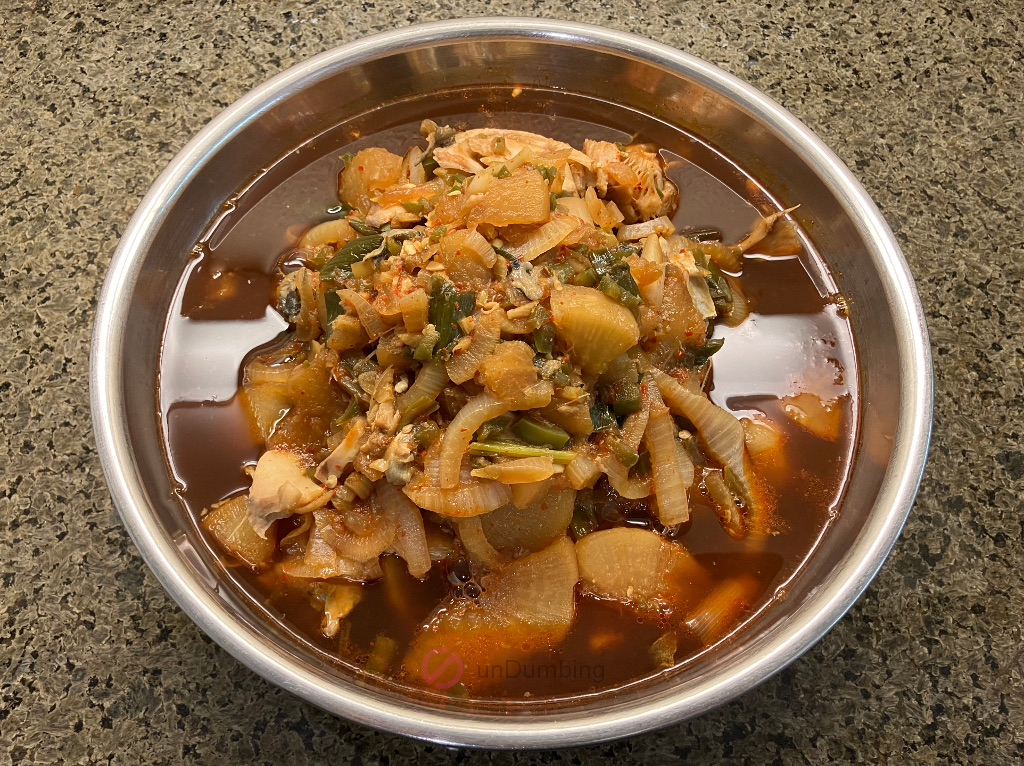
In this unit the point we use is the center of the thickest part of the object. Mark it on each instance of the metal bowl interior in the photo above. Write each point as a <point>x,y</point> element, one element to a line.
<point>759,135</point>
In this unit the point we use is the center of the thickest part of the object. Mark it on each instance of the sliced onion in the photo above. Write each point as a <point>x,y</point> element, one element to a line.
<point>720,610</point>
<point>336,463</point>
<point>370,319</point>
<point>375,538</point>
<point>468,499</point>
<point>410,536</point>
<point>720,431</point>
<point>525,494</point>
<point>471,498</point>
<point>462,365</point>
<point>700,294</point>
<point>440,543</point>
<point>430,381</point>
<point>639,568</point>
<point>539,589</point>
<point>725,504</point>
<point>519,471</point>
<point>670,483</point>
<point>652,250</point>
<point>305,522</point>
<point>333,232</point>
<point>726,257</point>
<point>629,487</point>
<point>635,425</point>
<point>459,434</point>
<point>739,309</point>
<point>661,225</point>
<point>653,293</point>
<point>576,207</point>
<point>764,442</point>
<point>543,239</point>
<point>471,533</point>
<point>583,471</point>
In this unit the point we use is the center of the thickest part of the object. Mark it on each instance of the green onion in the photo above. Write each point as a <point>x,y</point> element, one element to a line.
<point>549,173</point>
<point>614,290</point>
<point>426,433</point>
<point>553,198</point>
<point>441,312</point>
<point>584,519</point>
<point>429,164</point>
<point>340,266</point>
<point>492,427</point>
<point>510,449</point>
<point>454,181</point>
<point>626,454</point>
<point>413,207</point>
<point>601,416</point>
<point>346,158</point>
<point>382,655</point>
<point>424,405</point>
<point>335,308</point>
<point>626,399</point>
<point>361,227</point>
<point>425,349</point>
<point>320,256</point>
<point>465,304</point>
<point>538,432</point>
<point>498,145</point>
<point>513,261</point>
<point>437,233</point>
<point>502,172</point>
<point>348,414</point>
<point>586,278</point>
<point>544,339</point>
<point>697,357</point>
<point>718,286</point>
<point>564,271</point>
<point>702,235</point>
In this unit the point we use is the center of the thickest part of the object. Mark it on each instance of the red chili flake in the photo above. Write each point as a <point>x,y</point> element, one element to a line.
<point>360,168</point>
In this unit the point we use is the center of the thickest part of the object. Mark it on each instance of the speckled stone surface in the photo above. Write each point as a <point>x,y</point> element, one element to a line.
<point>921,99</point>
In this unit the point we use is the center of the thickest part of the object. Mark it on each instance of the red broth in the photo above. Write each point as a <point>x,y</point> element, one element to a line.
<point>796,339</point>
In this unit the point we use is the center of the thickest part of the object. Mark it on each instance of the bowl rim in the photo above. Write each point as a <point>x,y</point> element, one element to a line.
<point>824,607</point>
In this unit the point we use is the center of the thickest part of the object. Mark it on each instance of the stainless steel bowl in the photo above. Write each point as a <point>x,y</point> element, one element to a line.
<point>889,327</point>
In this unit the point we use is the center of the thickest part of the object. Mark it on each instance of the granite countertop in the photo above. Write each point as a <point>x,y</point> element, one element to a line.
<point>921,99</point>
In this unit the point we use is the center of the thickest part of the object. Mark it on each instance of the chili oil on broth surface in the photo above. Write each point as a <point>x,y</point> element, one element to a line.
<point>795,340</point>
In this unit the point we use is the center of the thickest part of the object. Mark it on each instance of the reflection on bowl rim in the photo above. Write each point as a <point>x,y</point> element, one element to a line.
<point>557,729</point>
